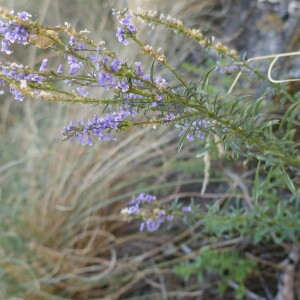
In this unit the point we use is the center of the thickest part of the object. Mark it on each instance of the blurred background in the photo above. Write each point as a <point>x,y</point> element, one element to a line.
<point>61,235</point>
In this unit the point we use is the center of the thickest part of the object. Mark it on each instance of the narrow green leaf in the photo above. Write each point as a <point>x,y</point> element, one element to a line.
<point>289,181</point>
<point>205,79</point>
<point>151,72</point>
<point>269,124</point>
<point>182,138</point>
<point>105,108</point>
<point>190,89</point>
<point>256,184</point>
<point>204,150</point>
<point>292,112</point>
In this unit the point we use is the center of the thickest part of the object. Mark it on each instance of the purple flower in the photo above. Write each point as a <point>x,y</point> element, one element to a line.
<point>125,29</point>
<point>124,86</point>
<point>190,137</point>
<point>133,209</point>
<point>82,92</point>
<point>16,93</point>
<point>115,65</point>
<point>5,48</point>
<point>160,98</point>
<point>169,117</point>
<point>139,70</point>
<point>44,64</point>
<point>125,20</point>
<point>193,130</point>
<point>93,58</point>
<point>161,213</point>
<point>169,217</point>
<point>60,69</point>
<point>121,35</point>
<point>99,49</point>
<point>142,226</point>
<point>131,28</point>
<point>147,77</point>
<point>34,78</point>
<point>142,197</point>
<point>74,65</point>
<point>186,209</point>
<point>226,69</point>
<point>76,46</point>
<point>154,222</point>
<point>106,80</point>
<point>151,225</point>
<point>72,41</point>
<point>24,16</point>
<point>134,96</point>
<point>160,82</point>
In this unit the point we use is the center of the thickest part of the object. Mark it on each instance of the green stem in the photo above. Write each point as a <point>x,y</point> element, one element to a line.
<point>164,62</point>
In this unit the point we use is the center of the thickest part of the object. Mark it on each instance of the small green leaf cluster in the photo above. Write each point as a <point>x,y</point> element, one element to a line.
<point>227,265</point>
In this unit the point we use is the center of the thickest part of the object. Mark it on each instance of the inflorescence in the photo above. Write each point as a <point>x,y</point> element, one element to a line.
<point>146,208</point>
<point>126,28</point>
<point>13,32</point>
<point>101,127</point>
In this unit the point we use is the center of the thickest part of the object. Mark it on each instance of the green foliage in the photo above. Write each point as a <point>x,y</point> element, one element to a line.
<point>228,265</point>
<point>269,223</point>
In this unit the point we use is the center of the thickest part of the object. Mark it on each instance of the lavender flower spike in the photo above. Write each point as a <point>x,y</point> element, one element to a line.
<point>96,127</point>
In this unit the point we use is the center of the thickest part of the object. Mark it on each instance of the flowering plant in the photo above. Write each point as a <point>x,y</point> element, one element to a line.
<point>223,125</point>
<point>229,125</point>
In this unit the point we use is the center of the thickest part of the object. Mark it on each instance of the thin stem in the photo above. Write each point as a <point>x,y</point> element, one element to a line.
<point>175,74</point>
<point>164,62</point>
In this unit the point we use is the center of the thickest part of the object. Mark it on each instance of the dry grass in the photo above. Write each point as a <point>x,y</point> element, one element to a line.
<point>68,222</point>
<point>62,237</point>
